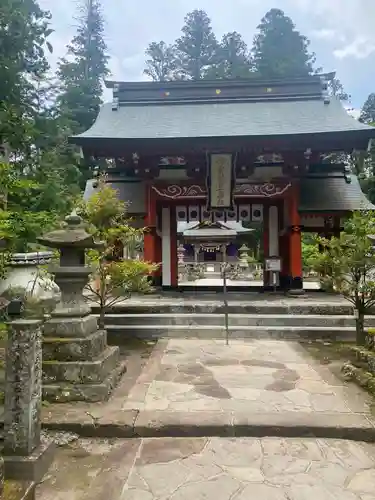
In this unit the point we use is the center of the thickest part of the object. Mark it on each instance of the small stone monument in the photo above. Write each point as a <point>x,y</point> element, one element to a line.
<point>243,263</point>
<point>78,364</point>
<point>1,476</point>
<point>26,457</point>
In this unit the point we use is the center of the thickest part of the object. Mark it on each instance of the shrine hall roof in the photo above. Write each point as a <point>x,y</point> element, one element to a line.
<point>332,194</point>
<point>146,112</point>
<point>319,193</point>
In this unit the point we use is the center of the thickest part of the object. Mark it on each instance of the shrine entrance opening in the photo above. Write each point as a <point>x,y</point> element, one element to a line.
<point>202,257</point>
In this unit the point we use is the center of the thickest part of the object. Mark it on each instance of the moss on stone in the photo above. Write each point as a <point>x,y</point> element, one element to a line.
<point>15,490</point>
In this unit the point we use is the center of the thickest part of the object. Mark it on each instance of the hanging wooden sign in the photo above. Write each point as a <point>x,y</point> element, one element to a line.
<point>220,182</point>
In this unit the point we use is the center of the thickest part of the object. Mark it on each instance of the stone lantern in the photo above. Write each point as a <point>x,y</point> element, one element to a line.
<point>71,275</point>
<point>78,364</point>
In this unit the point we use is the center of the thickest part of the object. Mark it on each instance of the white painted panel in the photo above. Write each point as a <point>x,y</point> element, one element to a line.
<point>244,213</point>
<point>205,214</point>
<point>181,214</point>
<point>166,246</point>
<point>194,215</point>
<point>257,213</point>
<point>273,231</point>
<point>219,215</point>
<point>231,216</point>
<point>172,174</point>
<point>312,221</point>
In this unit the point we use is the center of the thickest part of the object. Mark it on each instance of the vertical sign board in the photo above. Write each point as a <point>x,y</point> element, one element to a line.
<point>220,182</point>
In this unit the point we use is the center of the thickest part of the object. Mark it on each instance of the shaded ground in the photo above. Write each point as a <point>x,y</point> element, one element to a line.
<point>211,468</point>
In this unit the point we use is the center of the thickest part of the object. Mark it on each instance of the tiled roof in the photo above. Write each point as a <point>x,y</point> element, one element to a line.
<point>223,119</point>
<point>332,193</point>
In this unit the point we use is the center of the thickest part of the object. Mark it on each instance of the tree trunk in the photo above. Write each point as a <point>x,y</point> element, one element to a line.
<point>360,330</point>
<point>102,318</point>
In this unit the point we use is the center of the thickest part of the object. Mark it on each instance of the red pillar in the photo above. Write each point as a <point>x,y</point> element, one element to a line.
<point>150,222</point>
<point>266,245</point>
<point>173,240</point>
<point>295,243</point>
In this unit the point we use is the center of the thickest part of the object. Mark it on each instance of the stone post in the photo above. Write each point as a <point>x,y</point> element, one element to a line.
<point>26,457</point>
<point>1,476</point>
<point>23,387</point>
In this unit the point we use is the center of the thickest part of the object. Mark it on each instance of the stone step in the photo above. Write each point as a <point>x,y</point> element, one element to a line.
<point>305,320</point>
<point>81,372</point>
<point>216,307</point>
<point>119,334</point>
<point>91,393</point>
<point>71,349</point>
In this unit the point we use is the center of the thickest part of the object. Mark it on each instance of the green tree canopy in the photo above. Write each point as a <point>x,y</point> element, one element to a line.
<point>197,47</point>
<point>280,50</point>
<point>24,32</point>
<point>161,63</point>
<point>81,74</point>
<point>233,58</point>
<point>368,110</point>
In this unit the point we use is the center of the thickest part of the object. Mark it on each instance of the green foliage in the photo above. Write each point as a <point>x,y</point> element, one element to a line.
<point>233,58</point>
<point>81,75</point>
<point>24,32</point>
<point>161,63</point>
<point>310,254</point>
<point>196,49</point>
<point>368,110</point>
<point>348,264</point>
<point>279,50</point>
<point>114,279</point>
<point>23,215</point>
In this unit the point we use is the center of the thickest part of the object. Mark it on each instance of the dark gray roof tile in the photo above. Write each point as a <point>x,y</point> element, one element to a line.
<point>326,194</point>
<point>230,119</point>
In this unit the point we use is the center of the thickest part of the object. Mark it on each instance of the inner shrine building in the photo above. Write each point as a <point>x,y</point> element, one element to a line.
<point>230,150</point>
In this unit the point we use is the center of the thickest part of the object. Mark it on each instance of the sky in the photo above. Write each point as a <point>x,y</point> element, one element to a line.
<point>341,32</point>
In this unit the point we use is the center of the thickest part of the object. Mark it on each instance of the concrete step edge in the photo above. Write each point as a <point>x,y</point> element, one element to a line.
<point>231,327</point>
<point>236,315</point>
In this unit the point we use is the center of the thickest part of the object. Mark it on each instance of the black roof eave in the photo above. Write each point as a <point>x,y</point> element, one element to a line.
<point>325,141</point>
<point>237,82</point>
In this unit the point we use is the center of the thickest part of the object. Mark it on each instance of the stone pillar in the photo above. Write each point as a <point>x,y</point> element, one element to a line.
<point>1,476</point>
<point>24,454</point>
<point>23,387</point>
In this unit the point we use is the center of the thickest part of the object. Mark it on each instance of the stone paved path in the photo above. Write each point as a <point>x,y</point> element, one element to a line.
<point>212,469</point>
<point>246,378</point>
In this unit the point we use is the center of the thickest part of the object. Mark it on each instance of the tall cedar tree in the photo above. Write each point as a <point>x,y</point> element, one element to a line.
<point>161,63</point>
<point>368,158</point>
<point>279,50</point>
<point>24,32</point>
<point>368,110</point>
<point>81,74</point>
<point>197,47</point>
<point>233,58</point>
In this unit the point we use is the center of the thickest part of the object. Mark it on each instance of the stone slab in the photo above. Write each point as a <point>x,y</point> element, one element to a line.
<point>208,468</point>
<point>74,349</point>
<point>75,327</point>
<point>120,334</point>
<point>81,372</point>
<point>32,467</point>
<point>94,392</point>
